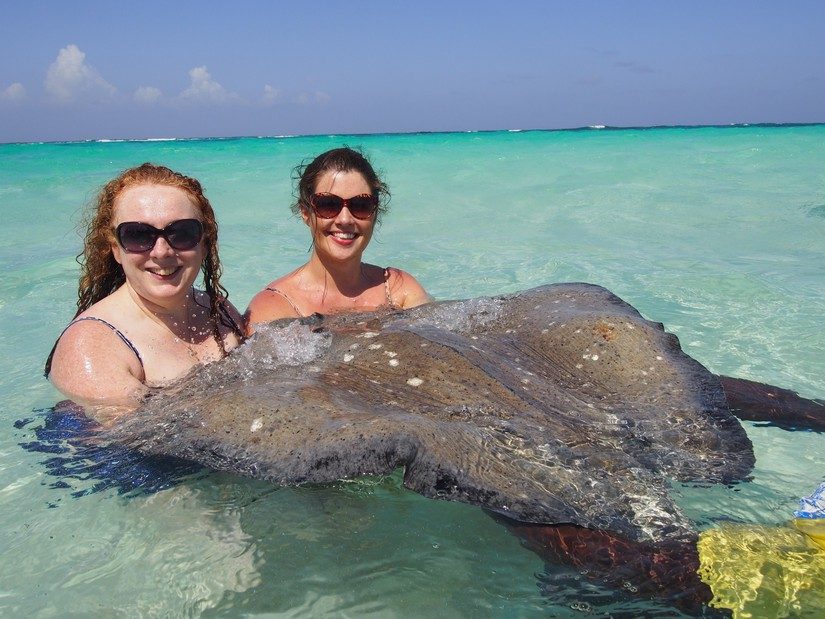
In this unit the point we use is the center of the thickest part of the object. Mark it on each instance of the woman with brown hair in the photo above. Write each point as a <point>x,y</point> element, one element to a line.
<point>140,322</point>
<point>340,199</point>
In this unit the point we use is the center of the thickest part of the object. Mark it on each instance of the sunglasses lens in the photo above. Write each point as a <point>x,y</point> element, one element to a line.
<point>327,206</point>
<point>362,207</point>
<point>184,234</point>
<point>136,237</point>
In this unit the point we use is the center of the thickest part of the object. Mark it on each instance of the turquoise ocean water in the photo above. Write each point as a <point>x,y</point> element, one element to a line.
<point>719,233</point>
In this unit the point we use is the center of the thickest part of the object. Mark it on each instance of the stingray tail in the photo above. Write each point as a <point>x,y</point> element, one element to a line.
<point>664,571</point>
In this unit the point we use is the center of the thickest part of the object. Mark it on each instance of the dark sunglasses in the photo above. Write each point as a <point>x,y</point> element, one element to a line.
<point>136,237</point>
<point>328,205</point>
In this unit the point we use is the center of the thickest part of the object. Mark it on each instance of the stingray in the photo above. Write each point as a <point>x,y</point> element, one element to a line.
<point>558,405</point>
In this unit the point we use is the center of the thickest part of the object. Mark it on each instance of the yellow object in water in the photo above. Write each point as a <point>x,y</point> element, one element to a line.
<point>813,528</point>
<point>763,571</point>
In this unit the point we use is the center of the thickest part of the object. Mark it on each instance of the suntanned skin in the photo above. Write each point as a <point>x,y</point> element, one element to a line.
<point>156,309</point>
<point>335,280</point>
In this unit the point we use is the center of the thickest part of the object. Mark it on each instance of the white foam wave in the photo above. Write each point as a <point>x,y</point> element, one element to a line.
<point>277,345</point>
<point>465,315</point>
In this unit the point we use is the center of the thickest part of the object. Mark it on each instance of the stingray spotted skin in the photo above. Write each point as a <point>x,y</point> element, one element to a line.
<point>560,404</point>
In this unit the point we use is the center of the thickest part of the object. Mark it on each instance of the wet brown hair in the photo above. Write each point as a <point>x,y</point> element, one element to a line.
<point>343,159</point>
<point>100,273</point>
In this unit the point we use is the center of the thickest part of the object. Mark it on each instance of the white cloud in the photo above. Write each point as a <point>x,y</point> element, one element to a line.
<point>148,95</point>
<point>203,89</point>
<point>15,92</point>
<point>69,78</point>
<point>271,95</point>
<point>319,96</point>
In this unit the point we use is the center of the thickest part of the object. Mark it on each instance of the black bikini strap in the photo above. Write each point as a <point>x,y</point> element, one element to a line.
<point>228,320</point>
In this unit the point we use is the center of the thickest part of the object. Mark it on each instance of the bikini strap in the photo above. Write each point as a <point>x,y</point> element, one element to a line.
<point>227,319</point>
<point>48,368</point>
<point>288,300</point>
<point>387,291</point>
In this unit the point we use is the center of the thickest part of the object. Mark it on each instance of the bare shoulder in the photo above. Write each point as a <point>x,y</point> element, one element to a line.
<point>93,365</point>
<point>406,291</point>
<point>270,304</point>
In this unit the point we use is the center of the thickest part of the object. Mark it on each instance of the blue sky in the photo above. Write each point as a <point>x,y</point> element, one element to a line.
<point>91,69</point>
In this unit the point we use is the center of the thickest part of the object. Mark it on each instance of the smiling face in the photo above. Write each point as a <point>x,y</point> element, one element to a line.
<point>344,237</point>
<point>163,275</point>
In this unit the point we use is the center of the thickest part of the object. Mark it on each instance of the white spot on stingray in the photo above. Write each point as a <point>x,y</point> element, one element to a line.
<point>473,337</point>
<point>353,346</point>
<point>348,357</point>
<point>390,353</point>
<point>414,382</point>
<point>579,366</point>
<point>544,331</point>
<point>594,357</point>
<point>375,346</point>
<point>370,334</point>
<point>257,424</point>
<point>393,362</point>
<point>658,358</point>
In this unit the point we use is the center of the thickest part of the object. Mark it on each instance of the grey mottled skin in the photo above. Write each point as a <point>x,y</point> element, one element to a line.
<point>560,404</point>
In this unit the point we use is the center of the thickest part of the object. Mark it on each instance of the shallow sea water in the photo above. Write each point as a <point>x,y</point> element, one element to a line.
<point>719,233</point>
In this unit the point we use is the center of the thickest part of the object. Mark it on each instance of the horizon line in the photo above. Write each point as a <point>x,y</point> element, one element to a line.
<point>400,133</point>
